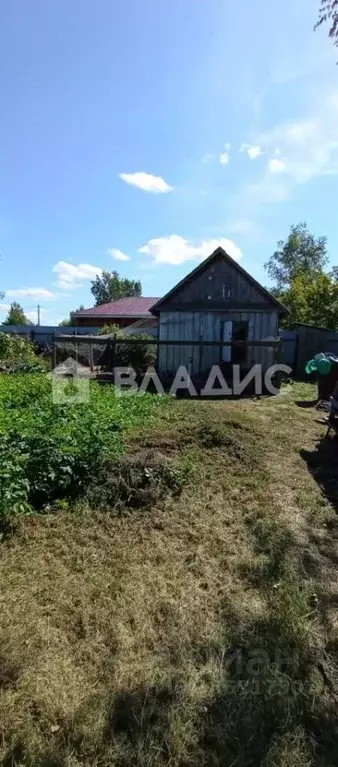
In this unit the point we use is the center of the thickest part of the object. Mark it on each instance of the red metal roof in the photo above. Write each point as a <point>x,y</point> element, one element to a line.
<point>135,306</point>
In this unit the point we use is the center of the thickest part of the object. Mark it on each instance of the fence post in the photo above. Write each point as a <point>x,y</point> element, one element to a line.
<point>76,353</point>
<point>54,353</point>
<point>278,354</point>
<point>112,354</point>
<point>296,355</point>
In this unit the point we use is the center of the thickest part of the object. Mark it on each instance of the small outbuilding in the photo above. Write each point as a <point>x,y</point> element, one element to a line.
<point>217,302</point>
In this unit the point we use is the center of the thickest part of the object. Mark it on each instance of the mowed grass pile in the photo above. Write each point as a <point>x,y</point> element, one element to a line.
<point>200,630</point>
<point>51,452</point>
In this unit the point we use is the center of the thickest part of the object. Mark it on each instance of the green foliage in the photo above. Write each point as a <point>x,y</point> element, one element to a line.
<point>50,451</point>
<point>14,349</point>
<point>68,322</point>
<point>109,328</point>
<point>312,300</point>
<point>301,252</point>
<point>16,316</point>
<point>329,12</point>
<point>109,286</point>
<point>138,356</point>
<point>14,485</point>
<point>301,282</point>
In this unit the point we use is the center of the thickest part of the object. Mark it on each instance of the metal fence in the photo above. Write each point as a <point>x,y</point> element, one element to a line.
<point>45,333</point>
<point>99,356</point>
<point>300,345</point>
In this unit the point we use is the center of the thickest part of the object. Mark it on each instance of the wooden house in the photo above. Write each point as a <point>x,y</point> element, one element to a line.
<point>218,301</point>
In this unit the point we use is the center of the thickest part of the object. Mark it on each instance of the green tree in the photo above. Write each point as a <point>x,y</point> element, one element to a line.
<point>328,12</point>
<point>68,321</point>
<point>109,286</point>
<point>312,299</point>
<point>16,316</point>
<point>107,329</point>
<point>300,252</point>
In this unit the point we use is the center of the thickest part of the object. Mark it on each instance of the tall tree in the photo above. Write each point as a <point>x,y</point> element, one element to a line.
<point>300,252</point>
<point>328,11</point>
<point>16,316</point>
<point>312,299</point>
<point>109,286</point>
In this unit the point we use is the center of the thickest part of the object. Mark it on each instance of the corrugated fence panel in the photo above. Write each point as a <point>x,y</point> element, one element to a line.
<point>43,333</point>
<point>289,346</point>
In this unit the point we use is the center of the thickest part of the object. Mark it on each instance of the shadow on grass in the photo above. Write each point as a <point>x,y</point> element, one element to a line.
<point>306,403</point>
<point>270,708</point>
<point>323,465</point>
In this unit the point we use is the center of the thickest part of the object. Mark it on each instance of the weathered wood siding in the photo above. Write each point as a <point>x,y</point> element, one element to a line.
<point>207,326</point>
<point>218,284</point>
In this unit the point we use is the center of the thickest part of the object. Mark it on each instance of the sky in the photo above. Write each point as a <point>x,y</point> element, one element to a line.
<point>140,135</point>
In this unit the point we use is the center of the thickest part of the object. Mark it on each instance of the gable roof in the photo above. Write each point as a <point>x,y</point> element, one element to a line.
<point>134,306</point>
<point>216,254</point>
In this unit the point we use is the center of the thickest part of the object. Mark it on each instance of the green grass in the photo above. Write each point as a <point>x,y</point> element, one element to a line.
<point>198,626</point>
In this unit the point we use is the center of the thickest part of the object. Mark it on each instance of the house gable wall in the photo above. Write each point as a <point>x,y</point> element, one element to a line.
<point>219,286</point>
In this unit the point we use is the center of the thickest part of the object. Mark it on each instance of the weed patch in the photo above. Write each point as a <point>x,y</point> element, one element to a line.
<point>134,482</point>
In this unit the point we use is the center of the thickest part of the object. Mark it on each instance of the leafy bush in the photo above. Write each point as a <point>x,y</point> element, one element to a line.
<point>109,328</point>
<point>21,366</point>
<point>14,486</point>
<point>15,349</point>
<point>138,356</point>
<point>50,451</point>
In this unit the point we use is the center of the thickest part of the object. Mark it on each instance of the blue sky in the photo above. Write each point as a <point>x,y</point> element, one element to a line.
<point>137,136</point>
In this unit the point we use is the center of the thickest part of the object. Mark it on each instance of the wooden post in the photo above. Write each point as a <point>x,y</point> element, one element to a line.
<point>91,356</point>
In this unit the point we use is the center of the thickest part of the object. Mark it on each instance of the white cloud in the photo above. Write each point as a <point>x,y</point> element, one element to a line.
<point>309,147</point>
<point>176,250</point>
<point>254,151</point>
<point>147,182</point>
<point>276,166</point>
<point>71,275</point>
<point>224,158</point>
<point>118,255</point>
<point>5,307</point>
<point>31,293</point>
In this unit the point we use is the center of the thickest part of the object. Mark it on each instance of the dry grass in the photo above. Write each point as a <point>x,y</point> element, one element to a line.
<point>200,630</point>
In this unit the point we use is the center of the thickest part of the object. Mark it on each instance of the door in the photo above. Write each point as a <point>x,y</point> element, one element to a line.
<point>240,333</point>
<point>227,336</point>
